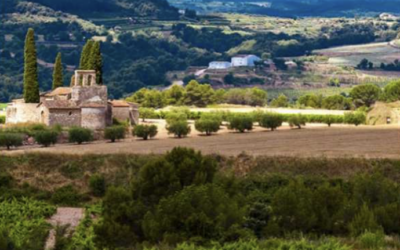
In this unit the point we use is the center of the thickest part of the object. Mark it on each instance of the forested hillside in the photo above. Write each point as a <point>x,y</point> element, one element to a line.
<point>87,8</point>
<point>294,8</point>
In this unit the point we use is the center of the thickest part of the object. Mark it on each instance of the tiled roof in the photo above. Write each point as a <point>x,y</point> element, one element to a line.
<point>60,91</point>
<point>119,103</point>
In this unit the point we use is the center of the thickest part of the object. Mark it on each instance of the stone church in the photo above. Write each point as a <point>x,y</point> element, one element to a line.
<point>84,104</point>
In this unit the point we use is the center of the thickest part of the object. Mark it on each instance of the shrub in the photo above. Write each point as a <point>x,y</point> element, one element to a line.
<point>365,95</point>
<point>80,135</point>
<point>297,121</point>
<point>67,196</point>
<point>2,119</point>
<point>271,121</point>
<point>331,119</point>
<point>369,240</point>
<point>179,128</point>
<point>364,221</point>
<point>207,125</point>
<point>355,118</point>
<point>241,122</point>
<point>114,133</point>
<point>46,137</point>
<point>145,131</point>
<point>97,185</point>
<point>146,113</point>
<point>10,140</point>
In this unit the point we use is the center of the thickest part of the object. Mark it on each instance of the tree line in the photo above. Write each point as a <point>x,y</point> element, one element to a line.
<point>91,58</point>
<point>199,95</point>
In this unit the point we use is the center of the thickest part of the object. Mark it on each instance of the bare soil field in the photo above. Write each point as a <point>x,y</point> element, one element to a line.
<point>312,141</point>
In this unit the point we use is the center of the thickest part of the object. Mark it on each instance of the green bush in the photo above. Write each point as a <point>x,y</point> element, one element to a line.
<point>369,240</point>
<point>356,118</point>
<point>271,121</point>
<point>145,131</point>
<point>114,133</point>
<point>332,119</point>
<point>2,119</point>
<point>207,125</point>
<point>29,129</point>
<point>364,221</point>
<point>241,122</point>
<point>9,140</point>
<point>297,121</point>
<point>80,135</point>
<point>97,185</point>
<point>66,196</point>
<point>146,113</point>
<point>179,128</point>
<point>46,137</point>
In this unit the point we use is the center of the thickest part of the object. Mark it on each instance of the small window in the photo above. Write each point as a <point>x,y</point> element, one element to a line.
<point>70,113</point>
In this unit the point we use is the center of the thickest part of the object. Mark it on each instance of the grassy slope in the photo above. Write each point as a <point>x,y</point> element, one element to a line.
<point>49,171</point>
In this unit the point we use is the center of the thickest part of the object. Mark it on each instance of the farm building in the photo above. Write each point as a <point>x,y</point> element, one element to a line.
<point>83,105</point>
<point>384,113</point>
<point>219,65</point>
<point>244,60</point>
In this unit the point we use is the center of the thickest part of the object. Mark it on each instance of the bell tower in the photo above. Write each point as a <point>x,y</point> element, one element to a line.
<point>86,77</point>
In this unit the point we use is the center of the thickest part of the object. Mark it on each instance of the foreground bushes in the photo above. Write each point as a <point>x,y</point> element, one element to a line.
<point>2,119</point>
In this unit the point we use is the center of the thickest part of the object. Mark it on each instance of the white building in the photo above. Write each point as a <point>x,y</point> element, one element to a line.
<point>244,60</point>
<point>219,65</point>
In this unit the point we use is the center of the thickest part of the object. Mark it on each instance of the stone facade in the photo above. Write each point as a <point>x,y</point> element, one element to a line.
<point>85,105</point>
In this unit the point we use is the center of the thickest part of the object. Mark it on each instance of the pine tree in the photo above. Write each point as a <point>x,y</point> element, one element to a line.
<point>96,62</point>
<point>31,84</point>
<point>58,73</point>
<point>85,56</point>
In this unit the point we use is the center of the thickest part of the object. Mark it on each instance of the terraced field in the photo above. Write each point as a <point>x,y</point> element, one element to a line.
<point>352,55</point>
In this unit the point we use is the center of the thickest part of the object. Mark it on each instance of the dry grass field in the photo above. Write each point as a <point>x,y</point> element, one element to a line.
<point>313,141</point>
<point>352,55</point>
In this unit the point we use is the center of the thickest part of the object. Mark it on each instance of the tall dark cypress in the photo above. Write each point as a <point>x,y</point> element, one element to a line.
<point>58,73</point>
<point>31,84</point>
<point>96,62</point>
<point>85,56</point>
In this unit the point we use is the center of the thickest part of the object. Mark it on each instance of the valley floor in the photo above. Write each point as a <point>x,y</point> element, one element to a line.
<point>312,141</point>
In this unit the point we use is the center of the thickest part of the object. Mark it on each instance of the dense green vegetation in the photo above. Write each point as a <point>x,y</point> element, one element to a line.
<point>185,197</point>
<point>22,222</point>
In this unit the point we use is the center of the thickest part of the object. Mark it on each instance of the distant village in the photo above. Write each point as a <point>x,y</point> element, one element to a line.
<point>246,61</point>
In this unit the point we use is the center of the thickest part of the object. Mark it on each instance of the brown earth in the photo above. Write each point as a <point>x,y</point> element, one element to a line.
<point>312,141</point>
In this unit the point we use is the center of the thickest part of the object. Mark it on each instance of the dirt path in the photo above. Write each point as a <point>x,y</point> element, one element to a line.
<point>313,141</point>
<point>64,216</point>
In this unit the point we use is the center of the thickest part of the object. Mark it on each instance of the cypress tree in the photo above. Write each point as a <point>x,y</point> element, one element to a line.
<point>85,55</point>
<point>58,73</point>
<point>96,62</point>
<point>31,84</point>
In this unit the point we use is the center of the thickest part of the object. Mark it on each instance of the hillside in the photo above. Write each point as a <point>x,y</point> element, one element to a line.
<point>294,8</point>
<point>89,8</point>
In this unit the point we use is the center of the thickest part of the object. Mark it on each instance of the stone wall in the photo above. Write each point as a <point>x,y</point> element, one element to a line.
<point>20,112</point>
<point>65,117</point>
<point>93,118</point>
<point>90,94</point>
<point>120,113</point>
